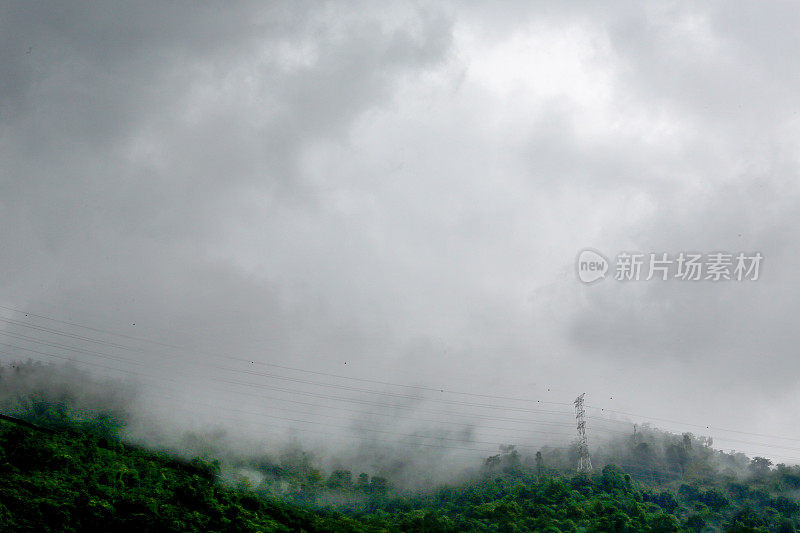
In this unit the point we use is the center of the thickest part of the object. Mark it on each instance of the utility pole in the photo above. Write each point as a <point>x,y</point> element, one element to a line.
<point>585,464</point>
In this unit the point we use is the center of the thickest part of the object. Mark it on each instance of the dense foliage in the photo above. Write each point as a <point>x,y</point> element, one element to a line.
<point>606,501</point>
<point>78,480</point>
<point>82,479</point>
<point>77,475</point>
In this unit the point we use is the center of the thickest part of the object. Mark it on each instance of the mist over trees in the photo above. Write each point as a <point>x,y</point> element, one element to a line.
<point>648,480</point>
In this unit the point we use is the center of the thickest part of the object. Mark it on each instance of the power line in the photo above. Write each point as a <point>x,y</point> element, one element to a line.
<point>690,424</point>
<point>368,403</point>
<point>372,403</point>
<point>300,380</point>
<point>246,360</point>
<point>315,422</point>
<point>338,376</point>
<point>291,391</point>
<point>314,383</point>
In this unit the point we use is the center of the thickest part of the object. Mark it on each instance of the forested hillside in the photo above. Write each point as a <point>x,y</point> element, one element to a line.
<point>82,478</point>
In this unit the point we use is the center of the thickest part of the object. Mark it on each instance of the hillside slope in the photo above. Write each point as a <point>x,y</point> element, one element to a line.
<point>81,480</point>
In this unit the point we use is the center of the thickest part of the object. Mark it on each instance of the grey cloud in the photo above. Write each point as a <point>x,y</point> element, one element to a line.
<point>314,183</point>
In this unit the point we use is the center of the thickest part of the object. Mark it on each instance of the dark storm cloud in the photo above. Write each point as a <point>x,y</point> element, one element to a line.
<point>130,129</point>
<point>404,187</point>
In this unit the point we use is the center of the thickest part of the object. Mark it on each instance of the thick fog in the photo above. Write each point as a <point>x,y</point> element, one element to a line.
<point>352,225</point>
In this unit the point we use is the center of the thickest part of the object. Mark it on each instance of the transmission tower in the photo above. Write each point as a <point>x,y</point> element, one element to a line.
<point>585,464</point>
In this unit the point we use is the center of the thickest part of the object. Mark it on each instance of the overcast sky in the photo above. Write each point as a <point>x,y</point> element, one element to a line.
<point>399,192</point>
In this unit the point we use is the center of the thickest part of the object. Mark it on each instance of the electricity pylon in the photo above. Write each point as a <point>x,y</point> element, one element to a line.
<point>585,464</point>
